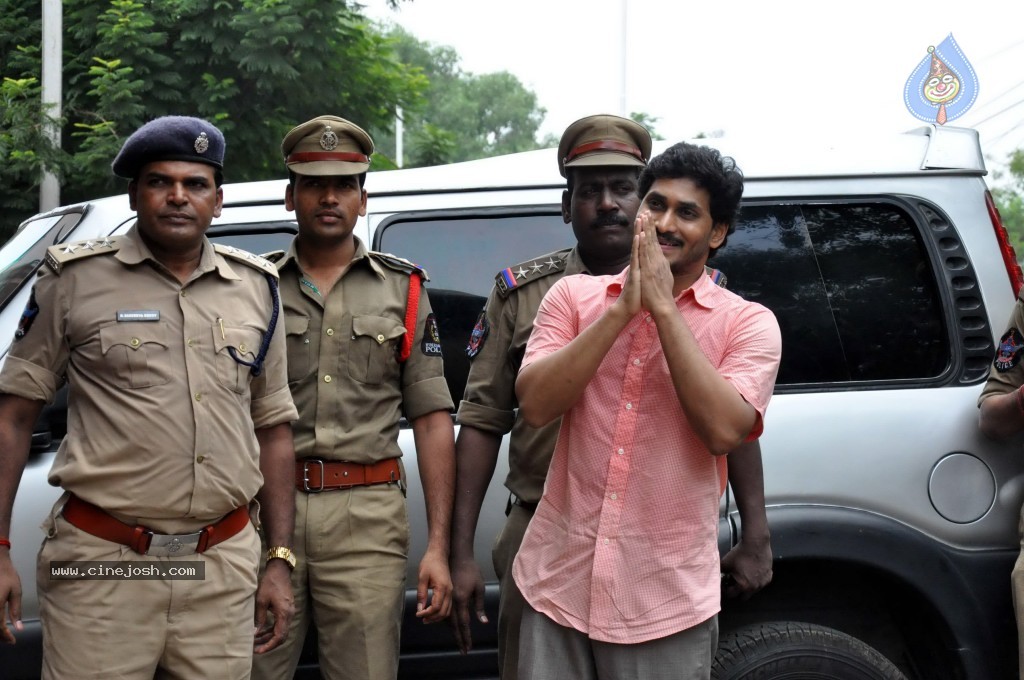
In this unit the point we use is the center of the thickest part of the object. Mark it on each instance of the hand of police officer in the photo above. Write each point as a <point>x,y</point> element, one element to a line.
<point>747,568</point>
<point>467,591</point>
<point>10,598</point>
<point>435,579</point>
<point>273,596</point>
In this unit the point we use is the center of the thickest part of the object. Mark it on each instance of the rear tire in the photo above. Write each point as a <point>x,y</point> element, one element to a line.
<point>798,651</point>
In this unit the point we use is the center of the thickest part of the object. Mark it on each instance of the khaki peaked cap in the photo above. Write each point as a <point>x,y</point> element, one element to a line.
<point>604,140</point>
<point>327,145</point>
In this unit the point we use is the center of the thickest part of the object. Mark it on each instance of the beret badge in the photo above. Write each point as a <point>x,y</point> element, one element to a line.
<point>202,143</point>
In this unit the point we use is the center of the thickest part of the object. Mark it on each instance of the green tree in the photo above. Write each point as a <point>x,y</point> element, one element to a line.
<point>254,67</point>
<point>1009,200</point>
<point>462,115</point>
<point>648,121</point>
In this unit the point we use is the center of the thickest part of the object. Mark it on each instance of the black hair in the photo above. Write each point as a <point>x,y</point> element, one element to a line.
<point>709,170</point>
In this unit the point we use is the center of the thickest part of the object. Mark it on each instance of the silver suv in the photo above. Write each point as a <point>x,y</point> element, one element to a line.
<point>894,522</point>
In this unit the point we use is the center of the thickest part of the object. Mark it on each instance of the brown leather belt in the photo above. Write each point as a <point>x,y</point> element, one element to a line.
<point>98,522</point>
<point>313,475</point>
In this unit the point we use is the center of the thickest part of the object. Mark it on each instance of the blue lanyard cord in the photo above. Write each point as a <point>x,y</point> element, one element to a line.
<point>256,366</point>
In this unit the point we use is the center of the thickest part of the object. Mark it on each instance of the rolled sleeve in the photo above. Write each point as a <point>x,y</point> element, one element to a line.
<point>425,397</point>
<point>274,409</point>
<point>752,361</point>
<point>489,402</point>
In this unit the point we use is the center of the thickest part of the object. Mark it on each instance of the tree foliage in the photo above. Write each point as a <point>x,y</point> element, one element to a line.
<point>1009,200</point>
<point>462,115</point>
<point>254,67</point>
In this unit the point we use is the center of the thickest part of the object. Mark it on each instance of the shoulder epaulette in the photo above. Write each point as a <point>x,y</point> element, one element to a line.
<point>60,255</point>
<point>523,273</point>
<point>245,257</point>
<point>274,256</point>
<point>717,277</point>
<point>398,263</point>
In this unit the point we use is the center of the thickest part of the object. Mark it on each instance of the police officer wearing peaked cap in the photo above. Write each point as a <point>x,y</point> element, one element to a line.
<point>174,336</point>
<point>363,352</point>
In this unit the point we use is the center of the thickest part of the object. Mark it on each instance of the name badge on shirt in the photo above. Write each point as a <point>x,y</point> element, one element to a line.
<point>138,315</point>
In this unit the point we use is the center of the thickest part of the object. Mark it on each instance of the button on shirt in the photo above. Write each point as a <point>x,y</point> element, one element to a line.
<point>623,546</point>
<point>343,369</point>
<point>161,418</point>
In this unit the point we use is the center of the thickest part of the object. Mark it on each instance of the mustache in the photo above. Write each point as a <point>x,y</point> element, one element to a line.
<point>669,240</point>
<point>611,220</point>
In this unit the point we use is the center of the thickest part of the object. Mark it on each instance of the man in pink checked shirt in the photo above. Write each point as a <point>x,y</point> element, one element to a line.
<point>655,371</point>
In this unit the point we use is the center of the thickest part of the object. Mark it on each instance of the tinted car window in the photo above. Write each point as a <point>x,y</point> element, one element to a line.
<point>24,252</point>
<point>851,285</point>
<point>462,254</point>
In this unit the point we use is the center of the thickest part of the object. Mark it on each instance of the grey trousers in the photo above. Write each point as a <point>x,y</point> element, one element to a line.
<point>548,651</point>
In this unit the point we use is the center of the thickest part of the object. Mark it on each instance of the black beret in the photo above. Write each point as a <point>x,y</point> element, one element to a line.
<point>170,138</point>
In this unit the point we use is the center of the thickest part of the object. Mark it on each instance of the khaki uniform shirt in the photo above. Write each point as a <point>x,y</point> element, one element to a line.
<point>161,418</point>
<point>343,368</point>
<point>490,399</point>
<point>1007,372</point>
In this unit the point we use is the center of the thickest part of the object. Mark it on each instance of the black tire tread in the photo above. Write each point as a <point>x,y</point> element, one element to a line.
<point>798,651</point>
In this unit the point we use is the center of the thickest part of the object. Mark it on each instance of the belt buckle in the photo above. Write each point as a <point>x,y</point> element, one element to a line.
<point>172,545</point>
<point>305,475</point>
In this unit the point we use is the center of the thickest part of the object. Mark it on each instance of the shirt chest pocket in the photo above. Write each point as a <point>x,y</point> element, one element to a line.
<point>136,353</point>
<point>372,356</point>
<point>297,340</point>
<point>246,345</point>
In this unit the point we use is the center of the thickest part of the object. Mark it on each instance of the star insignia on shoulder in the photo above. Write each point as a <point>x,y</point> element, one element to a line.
<point>105,243</point>
<point>522,273</point>
<point>69,250</point>
<point>551,263</point>
<point>537,266</point>
<point>88,245</point>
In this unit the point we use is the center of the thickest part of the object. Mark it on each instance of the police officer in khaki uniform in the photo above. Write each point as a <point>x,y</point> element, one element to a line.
<point>363,351</point>
<point>1002,416</point>
<point>178,417</point>
<point>601,157</point>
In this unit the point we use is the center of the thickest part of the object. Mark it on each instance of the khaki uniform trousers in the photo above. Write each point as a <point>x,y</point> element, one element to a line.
<point>143,629</point>
<point>351,548</point>
<point>510,600</point>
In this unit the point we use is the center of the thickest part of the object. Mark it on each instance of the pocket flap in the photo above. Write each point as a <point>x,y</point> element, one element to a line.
<point>131,335</point>
<point>296,325</point>
<point>379,328</point>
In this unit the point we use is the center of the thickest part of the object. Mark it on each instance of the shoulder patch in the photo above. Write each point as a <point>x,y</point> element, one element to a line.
<point>398,263</point>
<point>1009,352</point>
<point>523,273</point>
<point>245,257</point>
<point>274,256</point>
<point>60,255</point>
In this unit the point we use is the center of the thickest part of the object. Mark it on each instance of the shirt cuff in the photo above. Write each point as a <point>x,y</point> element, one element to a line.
<point>24,379</point>
<point>425,397</point>
<point>493,420</point>
<point>273,409</point>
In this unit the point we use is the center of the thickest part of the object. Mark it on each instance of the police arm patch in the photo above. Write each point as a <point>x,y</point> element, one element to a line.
<point>431,345</point>
<point>479,334</point>
<point>1010,347</point>
<point>28,317</point>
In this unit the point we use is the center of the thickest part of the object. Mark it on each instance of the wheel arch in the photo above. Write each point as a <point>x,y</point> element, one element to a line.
<point>871,576</point>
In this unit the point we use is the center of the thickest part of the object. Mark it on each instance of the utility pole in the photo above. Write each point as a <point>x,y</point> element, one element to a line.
<point>399,132</point>
<point>623,53</point>
<point>53,45</point>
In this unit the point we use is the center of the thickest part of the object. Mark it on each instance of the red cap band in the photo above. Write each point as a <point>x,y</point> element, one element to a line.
<point>315,156</point>
<point>605,145</point>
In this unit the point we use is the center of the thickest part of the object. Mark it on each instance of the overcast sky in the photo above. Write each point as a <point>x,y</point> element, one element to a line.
<point>741,67</point>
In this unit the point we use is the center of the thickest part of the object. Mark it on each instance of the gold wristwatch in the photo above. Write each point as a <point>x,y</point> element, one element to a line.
<point>282,553</point>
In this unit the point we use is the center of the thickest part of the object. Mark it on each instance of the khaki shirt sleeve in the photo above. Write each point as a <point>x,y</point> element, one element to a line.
<point>424,388</point>
<point>490,399</point>
<point>1007,371</point>
<point>36,363</point>
<point>271,399</point>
